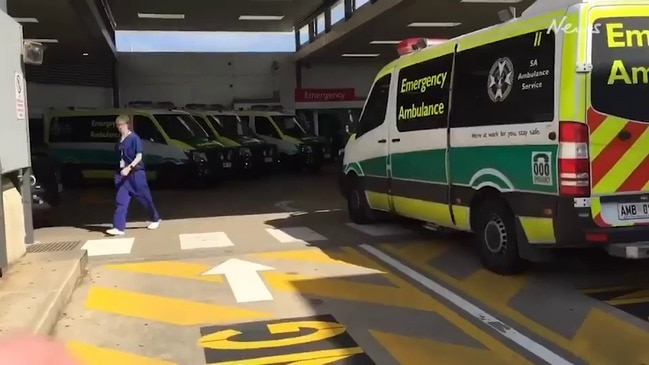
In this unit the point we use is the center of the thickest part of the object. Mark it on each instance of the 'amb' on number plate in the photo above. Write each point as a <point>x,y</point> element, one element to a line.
<point>628,211</point>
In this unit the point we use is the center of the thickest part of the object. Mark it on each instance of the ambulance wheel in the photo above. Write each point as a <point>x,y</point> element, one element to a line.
<point>71,176</point>
<point>168,176</point>
<point>313,169</point>
<point>495,238</point>
<point>357,206</point>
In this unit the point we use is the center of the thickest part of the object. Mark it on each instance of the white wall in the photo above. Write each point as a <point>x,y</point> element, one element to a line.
<point>185,78</point>
<point>359,77</point>
<point>43,96</point>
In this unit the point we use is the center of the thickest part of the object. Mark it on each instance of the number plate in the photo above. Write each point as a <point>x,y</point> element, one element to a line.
<point>629,211</point>
<point>327,155</point>
<point>227,165</point>
<point>268,159</point>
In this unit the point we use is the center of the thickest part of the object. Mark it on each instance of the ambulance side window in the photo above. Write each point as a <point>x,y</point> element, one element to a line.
<point>423,94</point>
<point>375,107</point>
<point>146,130</point>
<point>264,127</point>
<point>505,82</point>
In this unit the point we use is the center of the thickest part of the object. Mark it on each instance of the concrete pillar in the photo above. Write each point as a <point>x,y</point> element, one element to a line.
<point>3,5</point>
<point>14,221</point>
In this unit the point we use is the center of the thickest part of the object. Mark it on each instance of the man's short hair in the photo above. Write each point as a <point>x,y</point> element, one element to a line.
<point>124,119</point>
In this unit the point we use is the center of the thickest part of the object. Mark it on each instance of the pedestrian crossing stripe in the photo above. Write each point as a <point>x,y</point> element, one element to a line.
<point>213,240</point>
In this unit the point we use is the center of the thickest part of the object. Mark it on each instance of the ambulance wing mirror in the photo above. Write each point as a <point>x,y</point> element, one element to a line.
<point>33,52</point>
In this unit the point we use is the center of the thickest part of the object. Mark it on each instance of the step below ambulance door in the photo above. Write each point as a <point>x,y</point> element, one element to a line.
<point>618,115</point>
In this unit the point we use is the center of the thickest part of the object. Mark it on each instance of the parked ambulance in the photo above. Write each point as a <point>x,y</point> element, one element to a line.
<point>533,134</point>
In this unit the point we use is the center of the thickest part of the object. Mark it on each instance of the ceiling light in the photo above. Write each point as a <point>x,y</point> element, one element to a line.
<point>261,17</point>
<point>385,42</point>
<point>26,20</point>
<point>433,24</point>
<point>160,16</point>
<point>85,54</point>
<point>43,40</point>
<point>491,1</point>
<point>360,55</point>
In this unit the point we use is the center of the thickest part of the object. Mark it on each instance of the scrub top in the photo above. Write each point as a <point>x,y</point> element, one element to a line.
<point>128,149</point>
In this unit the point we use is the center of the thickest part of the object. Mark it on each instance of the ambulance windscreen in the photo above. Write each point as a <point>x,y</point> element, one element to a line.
<point>620,74</point>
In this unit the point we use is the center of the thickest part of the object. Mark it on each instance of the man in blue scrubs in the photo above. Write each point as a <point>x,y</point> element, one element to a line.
<point>130,181</point>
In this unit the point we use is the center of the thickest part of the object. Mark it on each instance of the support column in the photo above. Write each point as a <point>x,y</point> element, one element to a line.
<point>349,9</point>
<point>116,94</point>
<point>298,75</point>
<point>3,5</point>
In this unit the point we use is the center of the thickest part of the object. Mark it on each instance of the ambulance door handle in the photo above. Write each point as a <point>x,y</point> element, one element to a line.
<point>395,140</point>
<point>383,140</point>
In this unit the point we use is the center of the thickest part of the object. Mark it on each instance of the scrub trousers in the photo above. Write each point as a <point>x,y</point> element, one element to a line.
<point>132,186</point>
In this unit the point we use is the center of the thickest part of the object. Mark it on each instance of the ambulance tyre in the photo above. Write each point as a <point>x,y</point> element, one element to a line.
<point>358,208</point>
<point>168,176</point>
<point>313,169</point>
<point>71,175</point>
<point>495,238</point>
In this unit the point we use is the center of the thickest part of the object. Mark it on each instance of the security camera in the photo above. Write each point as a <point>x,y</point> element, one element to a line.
<point>33,52</point>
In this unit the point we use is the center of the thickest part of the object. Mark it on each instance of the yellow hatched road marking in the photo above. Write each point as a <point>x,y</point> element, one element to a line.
<point>412,350</point>
<point>176,269</point>
<point>609,289</point>
<point>625,166</point>
<point>620,343</point>
<point>605,134</point>
<point>616,302</point>
<point>318,256</point>
<point>321,357</point>
<point>640,293</point>
<point>95,355</point>
<point>403,295</point>
<point>174,311</point>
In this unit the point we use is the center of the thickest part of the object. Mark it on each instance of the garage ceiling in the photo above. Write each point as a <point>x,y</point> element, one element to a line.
<point>210,15</point>
<point>393,26</point>
<point>78,42</point>
<point>60,20</point>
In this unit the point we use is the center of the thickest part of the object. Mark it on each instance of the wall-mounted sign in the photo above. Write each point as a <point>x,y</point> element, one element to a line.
<point>20,96</point>
<point>320,95</point>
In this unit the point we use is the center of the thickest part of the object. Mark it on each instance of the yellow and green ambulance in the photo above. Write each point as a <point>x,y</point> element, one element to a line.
<point>533,134</point>
<point>176,149</point>
<point>257,156</point>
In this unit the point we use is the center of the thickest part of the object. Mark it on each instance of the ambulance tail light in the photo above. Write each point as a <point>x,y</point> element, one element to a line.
<point>574,160</point>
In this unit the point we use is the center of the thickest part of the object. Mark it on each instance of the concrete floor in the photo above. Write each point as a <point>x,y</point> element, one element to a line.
<point>270,272</point>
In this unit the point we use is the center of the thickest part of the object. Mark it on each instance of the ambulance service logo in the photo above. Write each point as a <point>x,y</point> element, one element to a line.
<point>501,79</point>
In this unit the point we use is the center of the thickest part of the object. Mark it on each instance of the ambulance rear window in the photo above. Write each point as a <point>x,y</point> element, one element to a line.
<point>620,75</point>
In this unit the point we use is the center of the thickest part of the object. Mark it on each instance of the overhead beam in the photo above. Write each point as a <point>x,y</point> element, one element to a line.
<point>94,18</point>
<point>355,21</point>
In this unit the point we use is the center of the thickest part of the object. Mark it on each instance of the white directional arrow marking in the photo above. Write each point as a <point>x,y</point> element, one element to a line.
<point>243,277</point>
